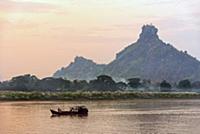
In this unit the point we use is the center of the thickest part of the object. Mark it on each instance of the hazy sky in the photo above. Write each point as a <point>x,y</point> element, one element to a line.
<point>41,36</point>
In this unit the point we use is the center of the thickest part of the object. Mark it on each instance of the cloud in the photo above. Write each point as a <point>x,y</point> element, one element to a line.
<point>16,6</point>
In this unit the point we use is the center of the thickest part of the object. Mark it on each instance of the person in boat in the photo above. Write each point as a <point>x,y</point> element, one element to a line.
<point>59,110</point>
<point>71,109</point>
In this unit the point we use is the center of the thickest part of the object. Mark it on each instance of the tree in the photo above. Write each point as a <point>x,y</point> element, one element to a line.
<point>134,82</point>
<point>105,78</point>
<point>165,86</point>
<point>184,84</point>
<point>79,85</point>
<point>121,85</point>
<point>24,82</point>
<point>29,82</point>
<point>53,84</point>
<point>103,83</point>
<point>146,83</point>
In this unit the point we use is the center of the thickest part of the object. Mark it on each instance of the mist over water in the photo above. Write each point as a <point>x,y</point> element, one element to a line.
<point>128,117</point>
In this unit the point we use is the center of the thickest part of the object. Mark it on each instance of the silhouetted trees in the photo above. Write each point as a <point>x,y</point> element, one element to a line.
<point>79,85</point>
<point>24,83</point>
<point>134,82</point>
<point>53,84</point>
<point>121,85</point>
<point>101,83</point>
<point>184,84</point>
<point>30,82</point>
<point>165,86</point>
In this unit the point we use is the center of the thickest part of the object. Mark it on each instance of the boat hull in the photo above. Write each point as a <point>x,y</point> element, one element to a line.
<point>56,113</point>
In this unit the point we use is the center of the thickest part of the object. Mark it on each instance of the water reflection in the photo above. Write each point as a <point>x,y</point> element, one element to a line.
<point>71,116</point>
<point>133,116</point>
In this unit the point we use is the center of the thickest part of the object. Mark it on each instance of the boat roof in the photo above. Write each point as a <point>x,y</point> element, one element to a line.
<point>77,107</point>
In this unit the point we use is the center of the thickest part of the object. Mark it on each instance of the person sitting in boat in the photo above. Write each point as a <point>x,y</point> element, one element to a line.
<point>71,109</point>
<point>59,110</point>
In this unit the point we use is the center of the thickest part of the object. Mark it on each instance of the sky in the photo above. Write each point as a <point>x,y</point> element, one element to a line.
<point>41,36</point>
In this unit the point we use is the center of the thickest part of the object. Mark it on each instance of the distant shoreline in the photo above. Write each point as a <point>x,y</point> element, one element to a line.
<point>94,95</point>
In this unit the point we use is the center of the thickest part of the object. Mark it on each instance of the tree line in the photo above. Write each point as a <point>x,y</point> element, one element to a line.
<point>101,83</point>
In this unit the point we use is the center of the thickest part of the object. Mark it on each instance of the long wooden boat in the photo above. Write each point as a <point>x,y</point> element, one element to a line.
<point>77,110</point>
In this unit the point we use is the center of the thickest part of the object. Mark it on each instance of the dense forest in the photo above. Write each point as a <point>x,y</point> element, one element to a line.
<point>101,83</point>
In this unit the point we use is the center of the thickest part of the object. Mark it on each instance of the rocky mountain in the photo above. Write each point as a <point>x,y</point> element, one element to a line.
<point>81,68</point>
<point>148,58</point>
<point>151,58</point>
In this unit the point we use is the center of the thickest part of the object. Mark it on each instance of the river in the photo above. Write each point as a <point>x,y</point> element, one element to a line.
<point>105,117</point>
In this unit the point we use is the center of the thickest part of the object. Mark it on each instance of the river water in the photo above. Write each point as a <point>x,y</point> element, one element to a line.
<point>105,117</point>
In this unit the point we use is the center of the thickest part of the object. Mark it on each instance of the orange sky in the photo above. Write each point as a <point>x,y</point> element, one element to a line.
<point>41,36</point>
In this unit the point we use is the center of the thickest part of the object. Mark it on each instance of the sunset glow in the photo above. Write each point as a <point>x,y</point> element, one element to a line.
<point>41,36</point>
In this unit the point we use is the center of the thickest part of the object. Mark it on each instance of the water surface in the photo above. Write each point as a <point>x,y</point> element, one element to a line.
<point>105,117</point>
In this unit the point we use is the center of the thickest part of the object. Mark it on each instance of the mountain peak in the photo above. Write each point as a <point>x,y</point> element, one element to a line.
<point>80,66</point>
<point>149,32</point>
<point>82,60</point>
<point>147,58</point>
<point>79,59</point>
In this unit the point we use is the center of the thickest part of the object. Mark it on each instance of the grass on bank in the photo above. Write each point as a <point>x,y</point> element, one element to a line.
<point>16,95</point>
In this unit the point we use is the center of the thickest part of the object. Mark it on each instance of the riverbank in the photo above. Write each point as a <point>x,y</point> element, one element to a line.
<point>12,95</point>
